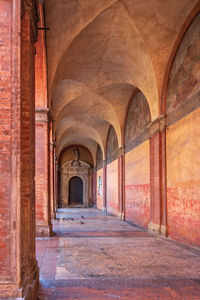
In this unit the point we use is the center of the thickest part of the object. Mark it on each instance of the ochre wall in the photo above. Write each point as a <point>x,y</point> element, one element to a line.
<point>112,187</point>
<point>183,177</point>
<point>137,185</point>
<point>68,154</point>
<point>99,197</point>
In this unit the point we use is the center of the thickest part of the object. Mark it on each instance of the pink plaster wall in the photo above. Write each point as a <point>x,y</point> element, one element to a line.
<point>183,177</point>
<point>112,187</point>
<point>137,185</point>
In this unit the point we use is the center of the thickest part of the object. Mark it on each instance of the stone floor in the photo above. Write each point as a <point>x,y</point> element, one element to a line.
<point>96,256</point>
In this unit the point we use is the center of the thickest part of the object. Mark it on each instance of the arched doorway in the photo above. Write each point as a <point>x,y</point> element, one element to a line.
<point>75,191</point>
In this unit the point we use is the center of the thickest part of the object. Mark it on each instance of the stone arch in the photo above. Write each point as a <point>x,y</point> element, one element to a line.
<point>99,158</point>
<point>111,145</point>
<point>137,120</point>
<point>174,53</point>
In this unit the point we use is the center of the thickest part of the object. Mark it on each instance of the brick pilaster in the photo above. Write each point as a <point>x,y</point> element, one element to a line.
<point>18,266</point>
<point>42,178</point>
<point>104,186</point>
<point>158,207</point>
<point>121,183</point>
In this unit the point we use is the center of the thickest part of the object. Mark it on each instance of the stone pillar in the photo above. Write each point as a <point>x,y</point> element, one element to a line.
<point>18,265</point>
<point>42,178</point>
<point>158,208</point>
<point>121,183</point>
<point>104,186</point>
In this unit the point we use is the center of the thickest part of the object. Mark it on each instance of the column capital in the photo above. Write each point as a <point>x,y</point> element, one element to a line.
<point>121,151</point>
<point>104,163</point>
<point>42,114</point>
<point>158,124</point>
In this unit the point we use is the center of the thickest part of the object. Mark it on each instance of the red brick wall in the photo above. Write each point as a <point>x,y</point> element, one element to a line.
<point>27,144</point>
<point>41,192</point>
<point>17,149</point>
<point>5,137</point>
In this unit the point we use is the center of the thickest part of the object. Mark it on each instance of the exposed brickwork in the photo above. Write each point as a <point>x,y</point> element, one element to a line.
<point>43,206</point>
<point>18,267</point>
<point>5,137</point>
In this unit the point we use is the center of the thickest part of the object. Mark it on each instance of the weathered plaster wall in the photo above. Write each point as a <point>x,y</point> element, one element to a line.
<point>184,88</point>
<point>183,143</point>
<point>112,187</point>
<point>112,145</point>
<point>183,177</point>
<point>99,158</point>
<point>138,118</point>
<point>99,191</point>
<point>68,155</point>
<point>137,185</point>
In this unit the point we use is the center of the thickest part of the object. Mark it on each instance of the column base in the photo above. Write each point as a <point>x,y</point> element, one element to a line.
<point>123,216</point>
<point>44,230</point>
<point>104,209</point>
<point>163,231</point>
<point>28,291</point>
<point>154,227</point>
<point>53,215</point>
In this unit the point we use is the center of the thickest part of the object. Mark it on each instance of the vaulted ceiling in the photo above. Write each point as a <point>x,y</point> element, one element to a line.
<point>98,53</point>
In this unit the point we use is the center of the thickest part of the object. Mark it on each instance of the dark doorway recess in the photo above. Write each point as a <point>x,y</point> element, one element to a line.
<point>75,191</point>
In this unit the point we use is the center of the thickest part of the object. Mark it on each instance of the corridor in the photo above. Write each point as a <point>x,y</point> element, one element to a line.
<point>96,256</point>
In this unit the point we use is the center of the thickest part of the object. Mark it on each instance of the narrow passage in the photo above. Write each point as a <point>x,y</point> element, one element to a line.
<point>96,256</point>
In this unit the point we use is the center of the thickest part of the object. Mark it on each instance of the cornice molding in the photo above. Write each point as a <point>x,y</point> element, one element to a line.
<point>158,124</point>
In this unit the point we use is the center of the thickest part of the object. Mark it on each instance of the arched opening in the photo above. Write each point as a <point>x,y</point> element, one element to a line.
<point>75,191</point>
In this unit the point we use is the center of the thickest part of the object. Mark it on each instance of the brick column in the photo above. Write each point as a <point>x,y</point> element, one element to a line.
<point>18,266</point>
<point>121,183</point>
<point>43,208</point>
<point>104,186</point>
<point>42,178</point>
<point>158,207</point>
<point>53,211</point>
<point>94,187</point>
<point>55,181</point>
